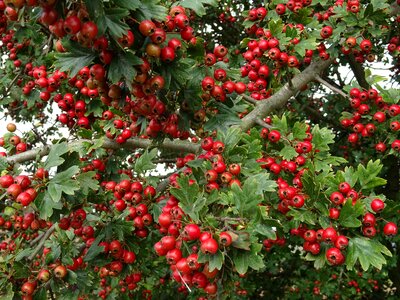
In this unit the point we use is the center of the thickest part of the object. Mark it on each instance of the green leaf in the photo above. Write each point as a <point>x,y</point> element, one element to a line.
<point>95,249</point>
<point>128,4</point>
<point>24,253</point>
<point>144,162</point>
<point>303,216</point>
<point>281,124</point>
<point>3,163</point>
<point>191,201</point>
<point>243,241</point>
<point>369,176</point>
<point>87,182</point>
<point>378,4</point>
<point>46,205</point>
<point>256,262</point>
<point>231,138</point>
<point>299,130</point>
<point>350,176</point>
<point>241,262</point>
<point>288,152</point>
<point>21,269</point>
<point>150,9</point>
<point>276,27</point>
<point>306,44</point>
<point>62,183</point>
<point>266,231</point>
<point>54,158</point>
<point>75,59</point>
<point>224,120</point>
<point>113,19</point>
<point>322,137</point>
<point>122,66</point>
<point>368,252</point>
<point>198,6</point>
<point>216,261</point>
<point>41,294</point>
<point>349,214</point>
<point>95,8</point>
<point>319,260</point>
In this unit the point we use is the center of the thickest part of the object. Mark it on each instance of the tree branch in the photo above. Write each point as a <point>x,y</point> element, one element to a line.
<point>175,145</point>
<point>249,99</point>
<point>42,241</point>
<point>358,71</point>
<point>331,87</point>
<point>265,107</point>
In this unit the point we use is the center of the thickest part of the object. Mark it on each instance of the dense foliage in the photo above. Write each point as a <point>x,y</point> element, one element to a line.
<point>199,149</point>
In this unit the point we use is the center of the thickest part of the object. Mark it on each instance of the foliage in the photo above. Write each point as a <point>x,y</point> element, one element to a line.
<point>199,149</point>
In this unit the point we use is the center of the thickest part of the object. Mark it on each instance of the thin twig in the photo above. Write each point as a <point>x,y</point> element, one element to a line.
<point>39,137</point>
<point>8,88</point>
<point>249,99</point>
<point>184,282</point>
<point>42,241</point>
<point>331,87</point>
<point>260,122</point>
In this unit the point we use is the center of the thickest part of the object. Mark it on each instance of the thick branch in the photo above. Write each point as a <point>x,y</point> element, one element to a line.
<point>265,107</point>
<point>359,72</point>
<point>175,145</point>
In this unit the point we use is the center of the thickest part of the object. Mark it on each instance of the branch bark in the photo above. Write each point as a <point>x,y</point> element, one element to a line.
<point>331,87</point>
<point>175,145</point>
<point>42,241</point>
<point>359,72</point>
<point>280,98</point>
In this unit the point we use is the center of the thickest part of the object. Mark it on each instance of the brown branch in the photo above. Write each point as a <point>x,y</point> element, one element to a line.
<point>280,98</point>
<point>263,124</point>
<point>250,99</point>
<point>11,84</point>
<point>331,87</point>
<point>175,145</point>
<point>42,241</point>
<point>359,72</point>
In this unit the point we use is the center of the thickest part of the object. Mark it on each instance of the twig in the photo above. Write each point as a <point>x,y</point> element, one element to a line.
<point>331,87</point>
<point>37,239</point>
<point>8,88</point>
<point>164,160</point>
<point>184,282</point>
<point>39,137</point>
<point>42,241</point>
<point>263,124</point>
<point>250,99</point>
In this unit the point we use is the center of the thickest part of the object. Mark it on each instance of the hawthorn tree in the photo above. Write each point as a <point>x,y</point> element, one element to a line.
<point>199,149</point>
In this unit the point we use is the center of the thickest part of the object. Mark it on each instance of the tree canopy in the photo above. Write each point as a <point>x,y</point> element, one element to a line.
<point>199,149</point>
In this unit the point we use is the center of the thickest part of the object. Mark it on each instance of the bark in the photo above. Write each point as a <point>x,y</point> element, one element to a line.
<point>280,98</point>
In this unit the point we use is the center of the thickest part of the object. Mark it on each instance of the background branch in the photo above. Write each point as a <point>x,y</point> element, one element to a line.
<point>358,71</point>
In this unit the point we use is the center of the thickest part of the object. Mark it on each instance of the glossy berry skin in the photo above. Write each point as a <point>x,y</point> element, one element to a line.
<point>334,256</point>
<point>390,229</point>
<point>329,235</point>
<point>191,232</point>
<point>225,239</point>
<point>209,246</point>
<point>274,136</point>
<point>341,242</point>
<point>337,198</point>
<point>377,205</point>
